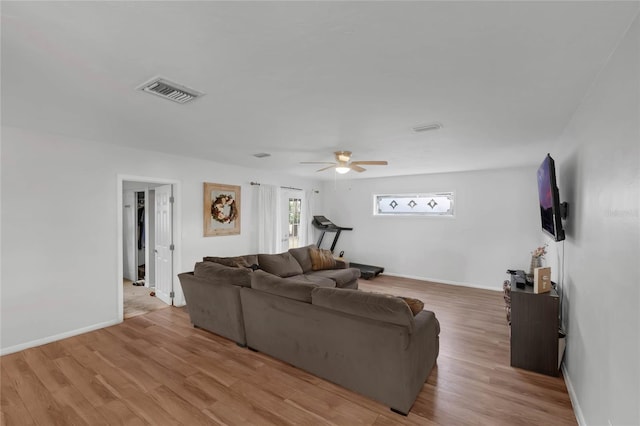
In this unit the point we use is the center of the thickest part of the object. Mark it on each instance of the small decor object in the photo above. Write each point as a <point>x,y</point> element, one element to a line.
<point>221,211</point>
<point>542,280</point>
<point>536,258</point>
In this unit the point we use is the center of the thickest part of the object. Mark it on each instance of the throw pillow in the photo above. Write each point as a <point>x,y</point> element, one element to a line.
<point>321,259</point>
<point>232,262</point>
<point>415,305</point>
<point>216,273</point>
<point>281,264</point>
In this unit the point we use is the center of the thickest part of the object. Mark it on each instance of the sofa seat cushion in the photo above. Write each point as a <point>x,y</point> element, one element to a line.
<point>218,273</point>
<point>290,288</point>
<point>281,264</point>
<point>381,307</point>
<point>235,261</point>
<point>342,277</point>
<point>313,279</point>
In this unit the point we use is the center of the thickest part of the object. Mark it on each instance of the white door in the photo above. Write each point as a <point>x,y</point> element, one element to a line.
<point>164,243</point>
<point>129,248</point>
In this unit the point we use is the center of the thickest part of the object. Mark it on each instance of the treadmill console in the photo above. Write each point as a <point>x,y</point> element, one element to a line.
<point>322,222</point>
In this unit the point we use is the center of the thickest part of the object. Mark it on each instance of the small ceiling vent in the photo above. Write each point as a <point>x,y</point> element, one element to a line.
<point>170,90</point>
<point>428,127</point>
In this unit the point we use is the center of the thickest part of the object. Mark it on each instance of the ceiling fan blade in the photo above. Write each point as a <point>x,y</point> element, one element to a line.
<point>356,168</point>
<point>317,162</point>
<point>326,168</point>
<point>371,163</point>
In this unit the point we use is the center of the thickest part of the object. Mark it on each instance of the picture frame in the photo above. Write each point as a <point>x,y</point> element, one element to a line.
<point>221,209</point>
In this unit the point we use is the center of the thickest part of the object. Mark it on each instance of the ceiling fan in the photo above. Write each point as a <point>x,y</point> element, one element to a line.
<point>343,164</point>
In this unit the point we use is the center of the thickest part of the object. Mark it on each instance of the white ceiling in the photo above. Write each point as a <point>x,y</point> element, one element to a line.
<point>300,80</point>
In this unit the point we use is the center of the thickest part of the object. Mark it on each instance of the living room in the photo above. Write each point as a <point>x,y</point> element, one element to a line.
<point>61,193</point>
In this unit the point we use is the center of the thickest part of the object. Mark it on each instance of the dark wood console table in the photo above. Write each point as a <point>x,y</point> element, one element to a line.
<point>534,330</point>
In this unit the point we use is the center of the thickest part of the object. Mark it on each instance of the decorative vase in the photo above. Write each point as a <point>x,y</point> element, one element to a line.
<point>536,262</point>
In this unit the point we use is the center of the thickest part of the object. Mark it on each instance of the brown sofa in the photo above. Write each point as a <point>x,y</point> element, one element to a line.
<point>212,290</point>
<point>318,321</point>
<point>369,343</point>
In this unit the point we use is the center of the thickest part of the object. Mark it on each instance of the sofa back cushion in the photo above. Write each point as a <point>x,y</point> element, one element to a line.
<point>289,288</point>
<point>321,259</point>
<point>234,262</point>
<point>374,306</point>
<point>303,257</point>
<point>281,264</point>
<point>218,273</point>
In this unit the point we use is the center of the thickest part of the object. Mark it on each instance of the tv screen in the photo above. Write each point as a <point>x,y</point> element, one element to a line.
<point>549,197</point>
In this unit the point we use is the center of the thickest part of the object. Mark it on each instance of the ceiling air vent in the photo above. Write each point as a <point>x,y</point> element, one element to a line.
<point>170,90</point>
<point>427,127</point>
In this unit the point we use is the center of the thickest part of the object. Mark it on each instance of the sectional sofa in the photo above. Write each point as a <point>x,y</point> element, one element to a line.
<point>318,321</point>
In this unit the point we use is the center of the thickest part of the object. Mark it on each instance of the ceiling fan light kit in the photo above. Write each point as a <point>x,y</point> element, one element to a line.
<point>342,164</point>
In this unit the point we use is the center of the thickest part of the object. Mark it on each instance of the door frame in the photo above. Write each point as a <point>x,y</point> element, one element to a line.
<point>177,236</point>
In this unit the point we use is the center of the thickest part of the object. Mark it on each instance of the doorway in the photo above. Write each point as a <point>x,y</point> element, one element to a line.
<point>148,221</point>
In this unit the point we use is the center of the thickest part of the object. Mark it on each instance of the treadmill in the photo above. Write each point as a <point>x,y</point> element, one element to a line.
<point>325,225</point>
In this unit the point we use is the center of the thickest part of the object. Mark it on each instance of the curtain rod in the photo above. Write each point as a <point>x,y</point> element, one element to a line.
<point>315,191</point>
<point>283,187</point>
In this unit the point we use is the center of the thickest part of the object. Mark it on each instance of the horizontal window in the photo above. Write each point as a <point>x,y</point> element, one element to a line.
<point>429,204</point>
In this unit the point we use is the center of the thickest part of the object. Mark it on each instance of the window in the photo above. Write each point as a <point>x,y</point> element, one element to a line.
<point>429,204</point>
<point>295,207</point>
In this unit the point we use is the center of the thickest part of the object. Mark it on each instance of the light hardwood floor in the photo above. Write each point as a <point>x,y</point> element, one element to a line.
<point>138,300</point>
<point>157,369</point>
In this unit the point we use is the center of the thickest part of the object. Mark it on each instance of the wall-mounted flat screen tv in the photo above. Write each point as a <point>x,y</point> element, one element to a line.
<point>549,196</point>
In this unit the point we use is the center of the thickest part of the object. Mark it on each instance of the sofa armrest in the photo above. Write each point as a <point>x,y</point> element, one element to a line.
<point>424,345</point>
<point>214,306</point>
<point>341,263</point>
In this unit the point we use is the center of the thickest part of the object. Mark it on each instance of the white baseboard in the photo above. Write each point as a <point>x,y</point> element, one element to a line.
<point>440,281</point>
<point>49,339</point>
<point>574,398</point>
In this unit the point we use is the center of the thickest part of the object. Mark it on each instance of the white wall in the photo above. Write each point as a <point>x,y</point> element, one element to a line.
<point>599,169</point>
<point>496,226</point>
<point>59,255</point>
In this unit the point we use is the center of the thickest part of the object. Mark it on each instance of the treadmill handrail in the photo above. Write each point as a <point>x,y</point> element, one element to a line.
<point>325,224</point>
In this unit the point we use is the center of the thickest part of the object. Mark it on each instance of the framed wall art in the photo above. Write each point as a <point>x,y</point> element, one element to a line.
<point>221,209</point>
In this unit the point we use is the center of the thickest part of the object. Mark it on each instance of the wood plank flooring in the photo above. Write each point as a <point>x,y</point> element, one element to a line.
<point>138,301</point>
<point>156,369</point>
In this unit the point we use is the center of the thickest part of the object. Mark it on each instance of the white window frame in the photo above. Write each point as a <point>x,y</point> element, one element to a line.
<point>424,196</point>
